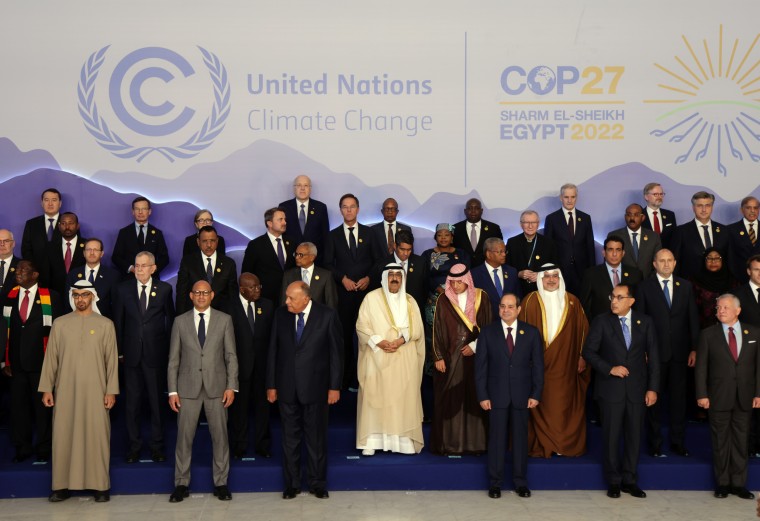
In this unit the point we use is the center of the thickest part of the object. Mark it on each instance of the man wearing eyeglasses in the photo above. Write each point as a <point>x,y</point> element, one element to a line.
<point>102,277</point>
<point>8,262</point>
<point>656,218</point>
<point>622,349</point>
<point>320,280</point>
<point>529,250</point>
<point>385,231</point>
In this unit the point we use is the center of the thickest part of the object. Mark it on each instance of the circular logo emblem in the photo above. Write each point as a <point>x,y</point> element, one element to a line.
<point>145,120</point>
<point>541,80</point>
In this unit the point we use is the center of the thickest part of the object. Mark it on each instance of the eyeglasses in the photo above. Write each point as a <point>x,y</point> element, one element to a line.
<point>206,221</point>
<point>298,255</point>
<point>143,266</point>
<point>79,296</point>
<point>713,259</point>
<point>617,297</point>
<point>529,223</point>
<point>88,250</point>
<point>201,293</point>
<point>657,194</point>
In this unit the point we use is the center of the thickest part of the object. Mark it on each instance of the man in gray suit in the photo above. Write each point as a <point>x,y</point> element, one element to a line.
<point>203,372</point>
<point>640,244</point>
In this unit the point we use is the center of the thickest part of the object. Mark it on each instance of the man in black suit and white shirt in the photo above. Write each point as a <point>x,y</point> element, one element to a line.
<point>385,231</point>
<point>415,269</point>
<point>307,217</point>
<point>65,252</point>
<point>640,244</point>
<point>322,286</point>
<point>529,250</point>
<point>690,240</point>
<point>269,256</point>
<point>103,278</point>
<point>658,219</point>
<point>8,262</point>
<point>471,234</point>
<point>136,237</point>
<point>39,231</point>
<point>743,240</point>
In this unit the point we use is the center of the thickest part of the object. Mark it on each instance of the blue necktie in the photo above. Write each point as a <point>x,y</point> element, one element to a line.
<point>302,219</point>
<point>667,292</point>
<point>201,330</point>
<point>209,271</point>
<point>91,278</point>
<point>497,282</point>
<point>280,253</point>
<point>50,229</point>
<point>635,247</point>
<point>626,333</point>
<point>299,327</point>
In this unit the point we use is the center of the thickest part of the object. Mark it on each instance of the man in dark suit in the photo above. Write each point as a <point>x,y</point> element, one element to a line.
<point>29,310</point>
<point>573,235</point>
<point>8,263</point>
<point>640,244</point>
<point>143,313</point>
<point>210,265</point>
<point>307,217</point>
<point>529,250</point>
<point>622,349</point>
<point>495,276</point>
<point>598,281</point>
<point>384,232</point>
<point>749,295</point>
<point>304,372</point>
<point>39,231</point>
<point>742,239</point>
<point>269,256</point>
<point>509,380</point>
<point>65,253</point>
<point>415,269</point>
<point>656,218</point>
<point>670,302</point>
<point>202,374</point>
<point>350,255</point>
<point>136,237</point>
<point>102,277</point>
<point>728,386</point>
<point>252,320</point>
<point>471,234</point>
<point>690,240</point>
<point>320,280</point>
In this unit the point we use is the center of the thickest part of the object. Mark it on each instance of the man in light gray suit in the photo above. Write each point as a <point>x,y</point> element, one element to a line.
<point>203,372</point>
<point>320,280</point>
<point>641,254</point>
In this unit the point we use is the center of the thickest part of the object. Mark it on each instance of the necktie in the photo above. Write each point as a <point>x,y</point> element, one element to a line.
<point>299,327</point>
<point>732,344</point>
<point>305,276</point>
<point>210,270</point>
<point>752,236</point>
<point>2,273</point>
<point>510,341</point>
<point>626,333</point>
<point>91,278</point>
<point>24,310</point>
<point>391,242</point>
<point>657,228</point>
<point>667,292</point>
<point>615,278</point>
<point>143,299</point>
<point>50,229</point>
<point>758,294</point>
<point>351,241</point>
<point>635,244</point>
<point>497,282</point>
<point>708,242</point>
<point>403,266</point>
<point>302,218</point>
<point>141,236</point>
<point>201,329</point>
<point>473,238</point>
<point>280,253</point>
<point>251,320</point>
<point>67,257</point>
<point>570,225</point>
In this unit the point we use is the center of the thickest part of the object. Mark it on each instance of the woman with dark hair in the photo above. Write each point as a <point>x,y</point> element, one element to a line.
<point>712,281</point>
<point>202,218</point>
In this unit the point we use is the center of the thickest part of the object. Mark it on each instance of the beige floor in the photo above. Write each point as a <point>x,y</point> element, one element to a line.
<point>390,506</point>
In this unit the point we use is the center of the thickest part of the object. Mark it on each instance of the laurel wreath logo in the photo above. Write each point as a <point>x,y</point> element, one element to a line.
<point>96,125</point>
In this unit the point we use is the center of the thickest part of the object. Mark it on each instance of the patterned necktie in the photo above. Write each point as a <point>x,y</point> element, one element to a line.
<point>667,292</point>
<point>280,253</point>
<point>657,228</point>
<point>50,229</point>
<point>299,327</point>
<point>391,242</point>
<point>24,310</point>
<point>570,225</point>
<point>67,257</point>
<point>510,341</point>
<point>210,270</point>
<point>351,242</point>
<point>732,344</point>
<point>615,278</point>
<point>473,238</point>
<point>708,242</point>
<point>626,333</point>
<point>201,329</point>
<point>251,320</point>
<point>497,282</point>
<point>302,218</point>
<point>635,245</point>
<point>141,236</point>
<point>305,276</point>
<point>752,236</point>
<point>143,299</point>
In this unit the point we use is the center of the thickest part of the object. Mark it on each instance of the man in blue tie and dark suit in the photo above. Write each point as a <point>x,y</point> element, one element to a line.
<point>39,231</point>
<point>103,278</point>
<point>270,255</point>
<point>136,237</point>
<point>307,217</point>
<point>495,276</point>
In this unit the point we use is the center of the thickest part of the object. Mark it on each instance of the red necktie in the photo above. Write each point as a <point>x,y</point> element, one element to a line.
<point>732,344</point>
<point>24,310</point>
<point>510,341</point>
<point>67,257</point>
<point>656,222</point>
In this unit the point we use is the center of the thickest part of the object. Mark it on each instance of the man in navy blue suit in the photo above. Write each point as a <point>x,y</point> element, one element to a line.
<point>139,236</point>
<point>102,277</point>
<point>384,232</point>
<point>692,238</point>
<point>658,219</point>
<point>742,239</point>
<point>307,218</point>
<point>494,276</point>
<point>509,379</point>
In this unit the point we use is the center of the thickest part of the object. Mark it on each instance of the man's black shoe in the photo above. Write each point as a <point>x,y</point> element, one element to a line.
<point>223,493</point>
<point>613,491</point>
<point>102,496</point>
<point>633,490</point>
<point>158,456</point>
<point>180,493</point>
<point>523,491</point>
<point>742,493</point>
<point>680,450</point>
<point>494,492</point>
<point>319,493</point>
<point>59,495</point>
<point>721,492</point>
<point>290,493</point>
<point>132,457</point>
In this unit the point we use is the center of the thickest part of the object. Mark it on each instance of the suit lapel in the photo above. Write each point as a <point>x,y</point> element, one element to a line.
<point>617,327</point>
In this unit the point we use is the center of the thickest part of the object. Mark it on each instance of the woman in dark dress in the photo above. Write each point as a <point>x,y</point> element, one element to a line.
<point>203,218</point>
<point>440,260</point>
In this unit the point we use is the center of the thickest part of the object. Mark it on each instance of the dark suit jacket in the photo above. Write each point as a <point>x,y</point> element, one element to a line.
<point>322,285</point>
<point>251,345</point>
<point>224,284</point>
<point>509,380</point>
<point>605,348</point>
<point>338,257</point>
<point>417,279</point>
<point>26,349</point>
<point>740,249</point>
<point>143,338</point>
<point>462,239</point>
<point>34,245</point>
<point>380,235</point>
<point>750,308</point>
<point>677,327</point>
<point>482,276</point>
<point>317,225</point>
<point>667,226</point>
<point>58,275</point>
<point>303,372</point>
<point>519,256</point>
<point>688,248</point>
<point>597,287</point>
<point>10,278</point>
<point>576,254</point>
<point>261,259</point>
<point>649,244</point>
<point>191,245</point>
<point>126,248</point>
<point>106,280</point>
<point>717,377</point>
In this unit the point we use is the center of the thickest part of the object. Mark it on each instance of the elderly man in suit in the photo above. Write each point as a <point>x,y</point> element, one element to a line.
<point>269,256</point>
<point>471,234</point>
<point>573,234</point>
<point>384,232</point>
<point>320,280</point>
<point>40,230</point>
<point>211,265</point>
<point>203,373</point>
<point>136,237</point>
<point>509,381</point>
<point>8,262</point>
<point>65,253</point>
<point>304,373</point>
<point>529,250</point>
<point>495,276</point>
<point>252,319</point>
<point>742,238</point>
<point>728,386</point>
<point>622,349</point>
<point>102,277</point>
<point>143,314</point>
<point>307,217</point>
<point>691,239</point>
<point>656,218</point>
<point>640,244</point>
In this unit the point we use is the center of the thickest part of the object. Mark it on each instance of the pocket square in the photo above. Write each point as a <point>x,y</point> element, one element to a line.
<point>752,341</point>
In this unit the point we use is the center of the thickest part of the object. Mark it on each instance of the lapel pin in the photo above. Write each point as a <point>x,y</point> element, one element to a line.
<point>646,238</point>
<point>625,274</point>
<point>746,332</point>
<point>522,332</point>
<point>456,256</point>
<point>579,219</point>
<point>361,240</point>
<point>219,270</point>
<point>485,229</point>
<point>287,243</point>
<point>538,257</point>
<point>258,311</point>
<point>678,283</point>
<point>36,301</point>
<point>506,276</point>
<point>717,230</point>
<point>81,245</point>
<point>316,277</point>
<point>92,331</point>
<point>664,217</point>
<point>411,269</point>
<point>638,322</point>
<point>311,212</point>
<point>152,293</point>
<point>79,275</point>
<point>153,232</point>
<point>741,233</point>
<point>13,269</point>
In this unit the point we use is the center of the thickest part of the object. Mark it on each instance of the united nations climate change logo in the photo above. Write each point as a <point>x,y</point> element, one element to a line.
<point>712,95</point>
<point>137,93</point>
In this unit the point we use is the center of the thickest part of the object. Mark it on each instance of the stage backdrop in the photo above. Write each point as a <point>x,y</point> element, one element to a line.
<point>222,104</point>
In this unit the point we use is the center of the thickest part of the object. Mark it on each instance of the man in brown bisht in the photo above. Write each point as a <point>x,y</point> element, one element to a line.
<point>458,421</point>
<point>80,379</point>
<point>558,425</point>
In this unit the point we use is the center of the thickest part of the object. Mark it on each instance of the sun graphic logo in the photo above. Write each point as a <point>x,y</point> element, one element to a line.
<point>712,95</point>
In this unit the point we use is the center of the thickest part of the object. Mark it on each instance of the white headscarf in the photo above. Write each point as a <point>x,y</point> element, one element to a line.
<point>554,301</point>
<point>85,284</point>
<point>397,301</point>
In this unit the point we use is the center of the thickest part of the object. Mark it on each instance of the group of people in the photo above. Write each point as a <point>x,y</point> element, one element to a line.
<point>506,336</point>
